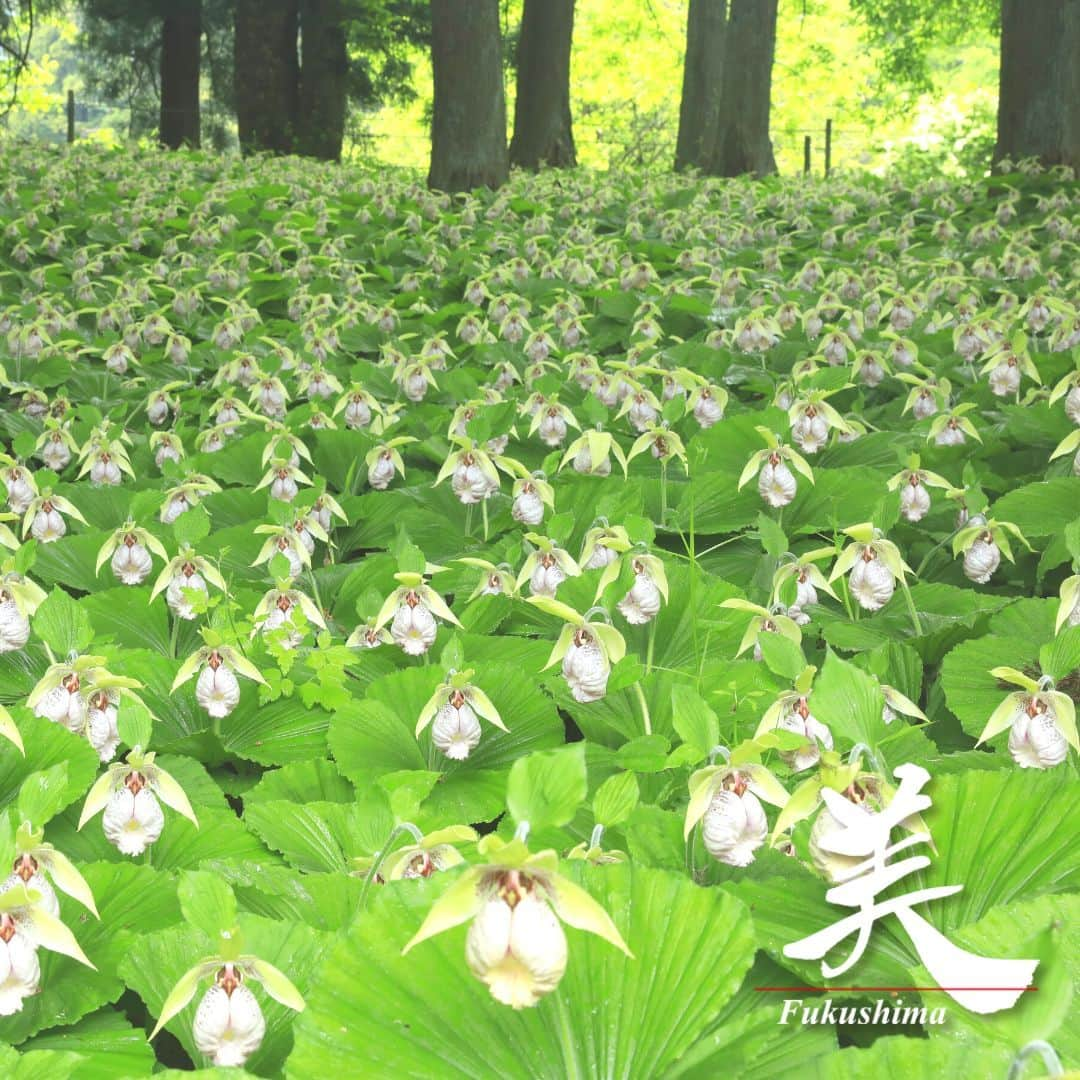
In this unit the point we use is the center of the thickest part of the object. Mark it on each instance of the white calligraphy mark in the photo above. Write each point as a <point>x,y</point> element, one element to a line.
<point>978,983</point>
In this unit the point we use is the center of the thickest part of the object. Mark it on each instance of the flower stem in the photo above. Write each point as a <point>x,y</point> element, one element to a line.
<point>483,511</point>
<point>649,649</point>
<point>468,519</point>
<point>846,598</point>
<point>174,634</point>
<point>933,551</point>
<point>911,608</point>
<point>663,492</point>
<point>380,856</point>
<point>644,708</point>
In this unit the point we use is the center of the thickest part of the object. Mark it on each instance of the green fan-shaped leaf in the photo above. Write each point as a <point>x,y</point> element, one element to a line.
<point>311,837</point>
<point>302,781</point>
<point>62,624</point>
<point>1046,929</point>
<point>546,788</point>
<point>105,1041</point>
<point>754,1046</point>
<point>47,745</point>
<point>610,1016</point>
<point>206,902</point>
<point>282,732</point>
<point>849,702</point>
<point>1040,509</point>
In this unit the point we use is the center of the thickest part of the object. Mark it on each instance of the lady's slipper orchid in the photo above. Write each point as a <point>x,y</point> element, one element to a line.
<point>515,942</point>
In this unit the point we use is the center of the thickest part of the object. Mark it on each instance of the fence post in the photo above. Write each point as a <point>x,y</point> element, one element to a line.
<point>806,155</point>
<point>828,146</point>
<point>71,116</point>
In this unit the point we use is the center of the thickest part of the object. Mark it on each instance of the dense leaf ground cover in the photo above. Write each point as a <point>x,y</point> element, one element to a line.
<point>609,518</point>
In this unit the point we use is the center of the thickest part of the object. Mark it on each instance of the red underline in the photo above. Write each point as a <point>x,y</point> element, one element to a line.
<point>895,989</point>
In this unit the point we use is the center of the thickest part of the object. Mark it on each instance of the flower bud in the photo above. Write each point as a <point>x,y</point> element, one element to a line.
<point>981,559</point>
<point>801,721</point>
<point>104,472</point>
<point>131,562</point>
<point>188,578</point>
<point>643,600</point>
<point>707,410</point>
<point>528,507</point>
<point>950,435</point>
<point>518,949</point>
<point>280,617</point>
<point>552,429</point>
<point>414,627</point>
<point>229,1025</point>
<point>217,690</point>
<point>470,483</point>
<point>1072,405</point>
<point>805,592</point>
<point>19,492</point>
<point>20,972</point>
<point>583,463</point>
<point>776,485</point>
<point>381,472</point>
<point>48,525</point>
<point>914,500</point>
<point>283,487</point>
<point>14,625</point>
<point>101,724</point>
<point>734,826</point>
<point>1035,740</point>
<point>157,410</point>
<point>456,731</point>
<point>870,371</point>
<point>586,667</point>
<point>641,413</point>
<point>133,819</point>
<point>55,454</point>
<point>871,581</point>
<point>63,704</point>
<point>178,504</point>
<point>600,556</point>
<point>810,431</point>
<point>546,577</point>
<point>27,872</point>
<point>357,413</point>
<point>1005,378</point>
<point>924,405</point>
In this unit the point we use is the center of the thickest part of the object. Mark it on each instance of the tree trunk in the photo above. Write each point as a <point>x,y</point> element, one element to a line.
<point>468,130</point>
<point>324,67</point>
<point>699,113</point>
<point>543,130</point>
<point>181,49</point>
<point>267,74</point>
<point>742,140</point>
<point>1039,98</point>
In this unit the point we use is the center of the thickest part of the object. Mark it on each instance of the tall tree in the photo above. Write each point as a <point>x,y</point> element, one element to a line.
<point>543,128</point>
<point>1039,93</point>
<point>181,51</point>
<point>16,37</point>
<point>742,139</point>
<point>699,112</point>
<point>324,71</point>
<point>267,74</point>
<point>468,129</point>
